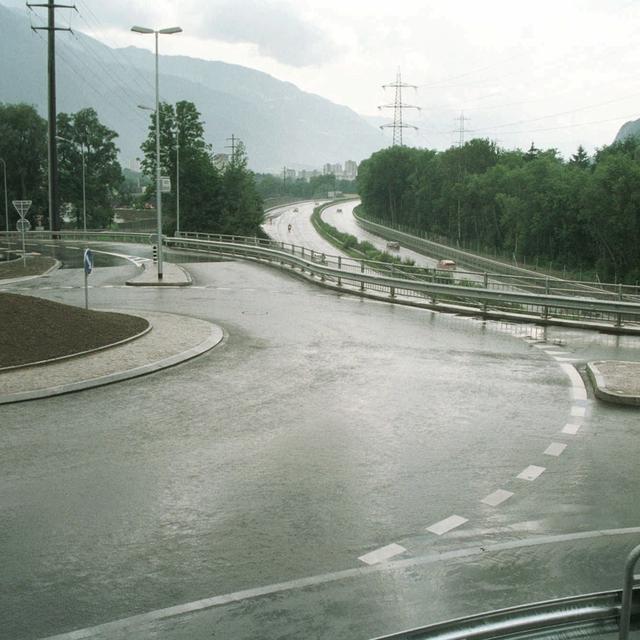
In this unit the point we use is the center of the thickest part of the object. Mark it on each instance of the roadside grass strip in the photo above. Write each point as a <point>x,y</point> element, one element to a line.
<point>555,449</point>
<point>532,472</point>
<point>497,497</point>
<point>443,526</point>
<point>382,554</point>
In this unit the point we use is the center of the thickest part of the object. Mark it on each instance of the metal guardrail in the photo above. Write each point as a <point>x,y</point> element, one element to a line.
<point>433,288</point>
<point>594,615</point>
<point>506,273</point>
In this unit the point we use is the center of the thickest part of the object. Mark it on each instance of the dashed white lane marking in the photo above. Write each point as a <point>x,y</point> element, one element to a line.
<point>447,524</point>
<point>382,554</point>
<point>559,359</point>
<point>571,429</point>
<point>497,497</point>
<point>532,472</point>
<point>555,449</point>
<point>557,353</point>
<point>73,248</point>
<point>578,412</point>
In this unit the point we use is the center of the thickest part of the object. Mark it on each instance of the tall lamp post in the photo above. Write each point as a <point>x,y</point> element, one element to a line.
<point>6,200</point>
<point>177,179</point>
<point>84,187</point>
<point>156,32</point>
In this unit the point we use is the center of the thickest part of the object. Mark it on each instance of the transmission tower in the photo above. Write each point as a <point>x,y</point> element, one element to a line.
<point>461,130</point>
<point>397,106</point>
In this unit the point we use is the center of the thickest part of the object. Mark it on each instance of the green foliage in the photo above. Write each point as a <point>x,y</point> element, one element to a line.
<point>23,146</point>
<point>584,213</point>
<point>211,200</point>
<point>103,174</point>
<point>270,186</point>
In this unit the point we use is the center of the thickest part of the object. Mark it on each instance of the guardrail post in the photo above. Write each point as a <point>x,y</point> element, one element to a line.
<point>619,316</point>
<point>361,271</point>
<point>339,269</point>
<point>627,593</point>
<point>486,286</point>
<point>545,309</point>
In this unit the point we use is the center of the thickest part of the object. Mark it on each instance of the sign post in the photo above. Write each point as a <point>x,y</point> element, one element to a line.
<point>88,267</point>
<point>22,207</point>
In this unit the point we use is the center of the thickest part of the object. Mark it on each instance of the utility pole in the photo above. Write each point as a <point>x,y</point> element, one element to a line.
<point>178,179</point>
<point>397,106</point>
<point>54,214</point>
<point>461,172</point>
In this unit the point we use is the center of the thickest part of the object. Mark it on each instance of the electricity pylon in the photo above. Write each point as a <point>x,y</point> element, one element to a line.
<point>398,124</point>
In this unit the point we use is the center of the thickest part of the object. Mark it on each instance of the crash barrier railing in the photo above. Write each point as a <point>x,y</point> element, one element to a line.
<point>507,274</point>
<point>608,614</point>
<point>464,291</point>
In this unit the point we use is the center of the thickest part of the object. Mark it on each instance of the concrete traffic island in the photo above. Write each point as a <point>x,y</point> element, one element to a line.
<point>172,276</point>
<point>173,339</point>
<point>616,381</point>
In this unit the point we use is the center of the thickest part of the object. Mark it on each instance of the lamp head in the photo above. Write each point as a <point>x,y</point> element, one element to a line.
<point>171,30</point>
<point>142,30</point>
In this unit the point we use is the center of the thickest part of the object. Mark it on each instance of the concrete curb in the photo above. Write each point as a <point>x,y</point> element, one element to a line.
<point>141,280</point>
<point>603,392</point>
<point>215,337</point>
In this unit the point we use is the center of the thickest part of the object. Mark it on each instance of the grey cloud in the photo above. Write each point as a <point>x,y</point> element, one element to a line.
<point>274,28</point>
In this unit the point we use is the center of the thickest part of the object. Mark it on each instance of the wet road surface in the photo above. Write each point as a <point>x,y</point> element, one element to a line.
<point>324,429</point>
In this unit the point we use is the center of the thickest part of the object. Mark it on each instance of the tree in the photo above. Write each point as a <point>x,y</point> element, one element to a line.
<point>242,208</point>
<point>103,174</point>
<point>23,146</point>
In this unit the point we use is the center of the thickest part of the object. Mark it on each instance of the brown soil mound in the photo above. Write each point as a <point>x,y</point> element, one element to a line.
<point>35,266</point>
<point>33,329</point>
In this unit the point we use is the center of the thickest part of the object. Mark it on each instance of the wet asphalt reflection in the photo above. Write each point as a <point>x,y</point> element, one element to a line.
<point>323,428</point>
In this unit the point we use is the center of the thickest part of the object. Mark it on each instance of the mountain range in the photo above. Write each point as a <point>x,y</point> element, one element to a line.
<point>279,124</point>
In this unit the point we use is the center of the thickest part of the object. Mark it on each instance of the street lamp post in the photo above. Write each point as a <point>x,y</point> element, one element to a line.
<point>84,189</point>
<point>6,199</point>
<point>177,180</point>
<point>157,32</point>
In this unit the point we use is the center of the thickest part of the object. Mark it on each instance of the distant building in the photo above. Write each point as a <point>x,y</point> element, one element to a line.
<point>350,170</point>
<point>134,164</point>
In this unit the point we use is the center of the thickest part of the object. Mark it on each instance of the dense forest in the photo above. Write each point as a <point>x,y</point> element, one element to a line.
<point>270,186</point>
<point>533,207</point>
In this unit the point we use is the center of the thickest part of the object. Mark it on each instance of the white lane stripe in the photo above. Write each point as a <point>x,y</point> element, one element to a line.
<point>447,524</point>
<point>382,554</point>
<point>497,497</point>
<point>555,449</point>
<point>578,412</point>
<point>557,353</point>
<point>532,472</point>
<point>571,429</point>
<point>559,359</point>
<point>128,624</point>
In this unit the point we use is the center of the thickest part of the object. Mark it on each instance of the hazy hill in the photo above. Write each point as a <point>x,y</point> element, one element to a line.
<point>279,124</point>
<point>628,130</point>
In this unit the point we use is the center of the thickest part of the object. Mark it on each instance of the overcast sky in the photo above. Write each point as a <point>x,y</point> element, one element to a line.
<point>559,73</point>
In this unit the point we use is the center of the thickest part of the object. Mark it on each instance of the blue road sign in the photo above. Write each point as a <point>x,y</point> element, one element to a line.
<point>88,261</point>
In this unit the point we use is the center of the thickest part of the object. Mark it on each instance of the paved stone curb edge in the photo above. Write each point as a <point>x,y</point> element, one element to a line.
<point>604,393</point>
<point>83,353</point>
<point>147,265</point>
<point>216,336</point>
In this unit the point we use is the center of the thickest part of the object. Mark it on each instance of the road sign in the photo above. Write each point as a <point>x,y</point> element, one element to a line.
<point>88,261</point>
<point>23,225</point>
<point>165,184</point>
<point>22,206</point>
